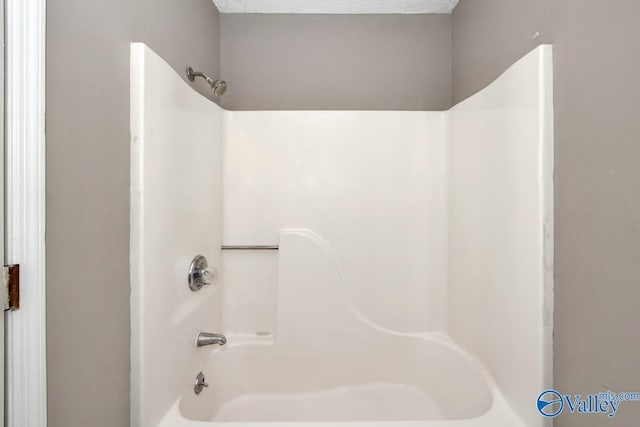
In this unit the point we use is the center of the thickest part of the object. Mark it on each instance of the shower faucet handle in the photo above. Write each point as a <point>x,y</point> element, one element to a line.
<point>200,274</point>
<point>207,275</point>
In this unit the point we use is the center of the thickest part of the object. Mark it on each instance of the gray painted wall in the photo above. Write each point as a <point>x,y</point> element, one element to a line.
<point>360,62</point>
<point>490,35</point>
<point>597,202</point>
<point>183,33</point>
<point>336,62</point>
<point>88,189</point>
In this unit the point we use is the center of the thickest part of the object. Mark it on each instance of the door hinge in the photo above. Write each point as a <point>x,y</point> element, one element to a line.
<point>11,286</point>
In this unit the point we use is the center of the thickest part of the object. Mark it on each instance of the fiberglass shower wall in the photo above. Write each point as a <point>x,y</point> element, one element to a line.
<point>501,229</point>
<point>372,184</point>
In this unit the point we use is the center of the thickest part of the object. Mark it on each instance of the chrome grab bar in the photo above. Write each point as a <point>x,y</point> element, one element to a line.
<point>250,247</point>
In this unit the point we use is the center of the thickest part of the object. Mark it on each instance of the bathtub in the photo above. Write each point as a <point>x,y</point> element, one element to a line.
<point>340,368</point>
<point>413,281</point>
<point>408,381</point>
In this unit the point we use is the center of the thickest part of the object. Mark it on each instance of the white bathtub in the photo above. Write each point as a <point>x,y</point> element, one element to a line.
<point>415,290</point>
<point>394,380</point>
<point>327,363</point>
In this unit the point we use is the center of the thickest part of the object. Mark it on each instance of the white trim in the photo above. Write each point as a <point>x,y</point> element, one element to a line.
<point>26,404</point>
<point>337,7</point>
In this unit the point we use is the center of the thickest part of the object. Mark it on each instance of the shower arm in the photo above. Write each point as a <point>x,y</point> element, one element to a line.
<point>191,75</point>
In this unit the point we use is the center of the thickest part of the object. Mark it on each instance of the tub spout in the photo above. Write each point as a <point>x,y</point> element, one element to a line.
<point>207,338</point>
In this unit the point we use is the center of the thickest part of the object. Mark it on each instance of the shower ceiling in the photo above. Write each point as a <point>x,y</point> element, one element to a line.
<point>336,6</point>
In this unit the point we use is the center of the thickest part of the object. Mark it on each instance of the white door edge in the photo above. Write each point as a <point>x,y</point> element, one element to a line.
<point>26,387</point>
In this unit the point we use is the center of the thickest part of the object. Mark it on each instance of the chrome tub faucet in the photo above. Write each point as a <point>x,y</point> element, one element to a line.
<point>207,338</point>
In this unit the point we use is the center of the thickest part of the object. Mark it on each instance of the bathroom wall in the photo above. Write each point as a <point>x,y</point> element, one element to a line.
<point>336,62</point>
<point>184,33</point>
<point>88,190</point>
<point>489,36</point>
<point>88,163</point>
<point>597,211</point>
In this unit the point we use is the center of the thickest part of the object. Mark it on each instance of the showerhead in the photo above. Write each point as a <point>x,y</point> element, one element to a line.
<point>218,87</point>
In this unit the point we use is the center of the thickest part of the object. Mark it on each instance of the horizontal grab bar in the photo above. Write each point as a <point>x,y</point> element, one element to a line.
<point>250,247</point>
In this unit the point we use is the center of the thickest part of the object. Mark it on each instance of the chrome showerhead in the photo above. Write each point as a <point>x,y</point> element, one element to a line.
<point>218,87</point>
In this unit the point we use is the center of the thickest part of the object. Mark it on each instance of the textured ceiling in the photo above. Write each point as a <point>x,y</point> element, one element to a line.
<point>335,6</point>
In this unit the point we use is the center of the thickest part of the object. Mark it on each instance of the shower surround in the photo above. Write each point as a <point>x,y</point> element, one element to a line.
<point>412,284</point>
